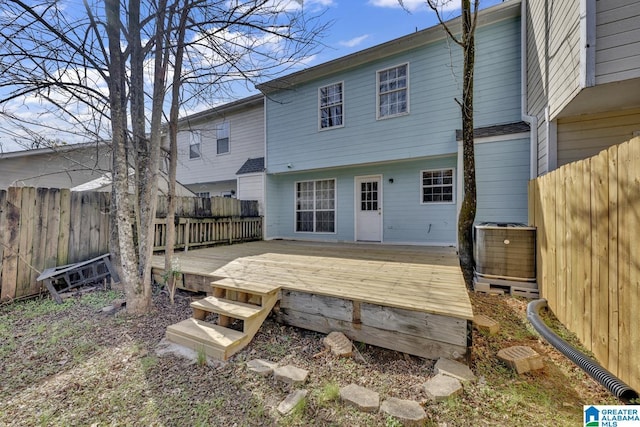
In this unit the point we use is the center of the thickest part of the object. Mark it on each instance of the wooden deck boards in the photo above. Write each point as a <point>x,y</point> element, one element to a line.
<point>425,279</point>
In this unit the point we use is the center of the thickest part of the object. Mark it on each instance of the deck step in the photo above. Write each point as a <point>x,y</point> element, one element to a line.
<point>235,309</point>
<point>244,286</point>
<point>218,342</point>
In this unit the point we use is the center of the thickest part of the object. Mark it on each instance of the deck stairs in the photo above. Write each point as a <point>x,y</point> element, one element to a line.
<point>234,301</point>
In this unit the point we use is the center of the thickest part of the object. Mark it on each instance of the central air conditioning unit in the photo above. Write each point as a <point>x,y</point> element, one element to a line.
<point>505,251</point>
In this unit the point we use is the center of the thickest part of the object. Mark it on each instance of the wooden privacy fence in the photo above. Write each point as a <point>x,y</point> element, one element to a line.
<point>42,228</point>
<point>588,250</point>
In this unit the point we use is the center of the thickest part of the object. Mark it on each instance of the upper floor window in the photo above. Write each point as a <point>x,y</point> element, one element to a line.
<point>437,186</point>
<point>393,94</point>
<point>222,138</point>
<point>331,102</point>
<point>195,143</point>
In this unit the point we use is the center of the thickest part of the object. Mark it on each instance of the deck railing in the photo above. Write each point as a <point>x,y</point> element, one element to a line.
<point>194,232</point>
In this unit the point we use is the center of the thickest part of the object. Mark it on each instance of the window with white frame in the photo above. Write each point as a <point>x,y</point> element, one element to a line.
<point>222,138</point>
<point>195,143</point>
<point>203,194</point>
<point>437,186</point>
<point>331,106</point>
<point>393,94</point>
<point>316,206</point>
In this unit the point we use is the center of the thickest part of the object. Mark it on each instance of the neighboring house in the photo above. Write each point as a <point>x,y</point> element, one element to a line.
<point>582,77</point>
<point>79,167</point>
<point>215,144</point>
<point>63,167</point>
<point>364,147</point>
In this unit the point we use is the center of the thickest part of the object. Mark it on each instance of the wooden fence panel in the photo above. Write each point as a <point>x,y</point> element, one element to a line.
<point>588,217</point>
<point>48,227</point>
<point>11,234</point>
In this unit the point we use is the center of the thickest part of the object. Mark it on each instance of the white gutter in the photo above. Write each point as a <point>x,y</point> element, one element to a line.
<point>531,120</point>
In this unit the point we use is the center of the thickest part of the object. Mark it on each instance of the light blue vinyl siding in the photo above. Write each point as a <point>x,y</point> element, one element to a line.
<point>405,218</point>
<point>502,176</point>
<point>429,130</point>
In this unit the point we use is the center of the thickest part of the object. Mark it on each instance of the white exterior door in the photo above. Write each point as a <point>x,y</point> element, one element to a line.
<point>369,208</point>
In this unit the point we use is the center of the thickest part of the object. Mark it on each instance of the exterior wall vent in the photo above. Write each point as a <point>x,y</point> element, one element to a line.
<point>505,251</point>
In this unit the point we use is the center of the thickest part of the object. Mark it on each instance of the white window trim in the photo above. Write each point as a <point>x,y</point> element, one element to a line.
<point>320,128</point>
<point>228,139</point>
<point>453,185</point>
<point>335,209</point>
<point>195,134</point>
<point>378,116</point>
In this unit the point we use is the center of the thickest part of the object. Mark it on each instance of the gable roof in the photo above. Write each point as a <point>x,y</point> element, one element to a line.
<point>252,166</point>
<point>505,10</point>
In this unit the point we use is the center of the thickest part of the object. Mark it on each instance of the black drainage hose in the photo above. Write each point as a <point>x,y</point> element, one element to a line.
<point>595,371</point>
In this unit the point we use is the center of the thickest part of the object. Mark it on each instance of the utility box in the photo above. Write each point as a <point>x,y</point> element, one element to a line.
<point>505,251</point>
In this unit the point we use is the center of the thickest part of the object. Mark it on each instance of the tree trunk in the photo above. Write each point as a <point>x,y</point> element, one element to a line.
<point>468,209</point>
<point>120,180</point>
<point>173,152</point>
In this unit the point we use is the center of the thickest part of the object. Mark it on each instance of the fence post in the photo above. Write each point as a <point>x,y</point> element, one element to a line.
<point>187,232</point>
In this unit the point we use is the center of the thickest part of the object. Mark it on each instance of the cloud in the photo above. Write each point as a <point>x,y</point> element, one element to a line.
<point>354,41</point>
<point>415,5</point>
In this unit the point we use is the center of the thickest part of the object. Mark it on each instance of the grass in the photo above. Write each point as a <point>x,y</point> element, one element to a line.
<point>69,364</point>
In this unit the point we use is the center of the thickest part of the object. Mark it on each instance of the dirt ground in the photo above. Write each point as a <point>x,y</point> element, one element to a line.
<point>75,365</point>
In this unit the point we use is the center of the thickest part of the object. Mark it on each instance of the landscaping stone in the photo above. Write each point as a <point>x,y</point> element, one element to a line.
<point>454,369</point>
<point>291,375</point>
<point>362,398</point>
<point>521,358</point>
<point>339,344</point>
<point>261,367</point>
<point>409,412</point>
<point>290,402</point>
<point>441,387</point>
<point>486,324</point>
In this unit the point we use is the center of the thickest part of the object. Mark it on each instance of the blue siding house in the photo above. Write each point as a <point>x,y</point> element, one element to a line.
<point>364,147</point>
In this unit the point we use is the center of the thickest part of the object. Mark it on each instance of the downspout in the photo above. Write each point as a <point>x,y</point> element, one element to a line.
<point>531,120</point>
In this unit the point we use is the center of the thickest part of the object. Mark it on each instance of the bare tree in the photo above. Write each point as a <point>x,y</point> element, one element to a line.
<point>466,40</point>
<point>103,72</point>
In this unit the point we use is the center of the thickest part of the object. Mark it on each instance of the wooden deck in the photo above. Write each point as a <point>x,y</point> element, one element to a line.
<point>361,289</point>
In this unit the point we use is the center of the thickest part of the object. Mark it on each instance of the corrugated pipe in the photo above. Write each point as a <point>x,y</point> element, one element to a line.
<point>591,367</point>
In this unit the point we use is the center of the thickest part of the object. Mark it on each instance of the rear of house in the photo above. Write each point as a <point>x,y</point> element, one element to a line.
<point>364,148</point>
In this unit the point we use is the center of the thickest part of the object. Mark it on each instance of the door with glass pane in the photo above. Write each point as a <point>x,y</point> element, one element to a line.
<point>369,208</point>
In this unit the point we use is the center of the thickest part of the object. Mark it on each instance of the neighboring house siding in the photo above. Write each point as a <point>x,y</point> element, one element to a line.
<point>617,40</point>
<point>405,218</point>
<point>583,136</point>
<point>536,74</point>
<point>502,176</point>
<point>564,54</point>
<point>553,63</point>
<point>246,139</point>
<point>251,187</point>
<point>64,169</point>
<point>433,113</point>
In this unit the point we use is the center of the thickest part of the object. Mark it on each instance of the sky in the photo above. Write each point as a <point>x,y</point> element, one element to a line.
<point>355,25</point>
<point>359,24</point>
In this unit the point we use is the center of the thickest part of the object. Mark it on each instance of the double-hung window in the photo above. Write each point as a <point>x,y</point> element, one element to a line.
<point>316,206</point>
<point>437,186</point>
<point>222,138</point>
<point>195,144</point>
<point>393,91</point>
<point>331,106</point>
